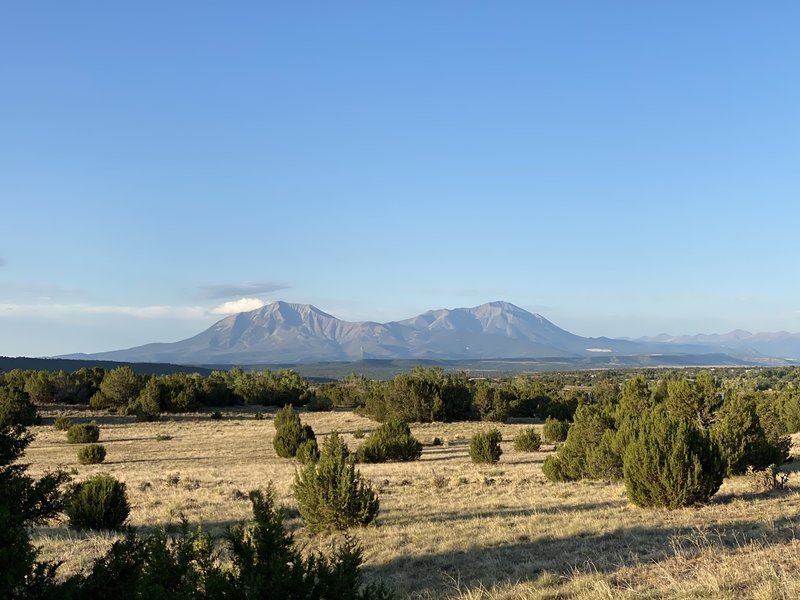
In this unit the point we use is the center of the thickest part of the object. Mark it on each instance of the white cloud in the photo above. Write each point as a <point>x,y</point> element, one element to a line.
<point>237,306</point>
<point>159,311</point>
<point>142,312</point>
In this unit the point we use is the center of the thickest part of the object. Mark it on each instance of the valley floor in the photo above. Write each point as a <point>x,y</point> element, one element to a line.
<point>446,528</point>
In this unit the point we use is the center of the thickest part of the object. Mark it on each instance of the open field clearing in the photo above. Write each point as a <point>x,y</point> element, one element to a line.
<point>446,528</point>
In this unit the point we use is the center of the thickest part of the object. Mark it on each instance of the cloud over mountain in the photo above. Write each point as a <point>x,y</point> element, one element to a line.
<point>230,290</point>
<point>236,306</point>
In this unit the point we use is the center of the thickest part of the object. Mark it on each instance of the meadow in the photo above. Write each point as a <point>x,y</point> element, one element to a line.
<point>447,528</point>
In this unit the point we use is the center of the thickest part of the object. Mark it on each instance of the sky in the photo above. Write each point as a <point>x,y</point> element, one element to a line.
<point>622,168</point>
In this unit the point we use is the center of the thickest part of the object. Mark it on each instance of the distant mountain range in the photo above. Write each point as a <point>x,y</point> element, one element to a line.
<point>300,333</point>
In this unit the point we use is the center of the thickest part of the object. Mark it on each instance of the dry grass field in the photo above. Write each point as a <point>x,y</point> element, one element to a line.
<point>446,528</point>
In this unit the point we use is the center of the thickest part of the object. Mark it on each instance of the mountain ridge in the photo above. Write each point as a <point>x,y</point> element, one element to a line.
<point>283,332</point>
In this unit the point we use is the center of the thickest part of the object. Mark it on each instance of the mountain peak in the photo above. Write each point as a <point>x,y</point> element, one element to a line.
<point>286,332</point>
<point>283,332</point>
<point>284,308</point>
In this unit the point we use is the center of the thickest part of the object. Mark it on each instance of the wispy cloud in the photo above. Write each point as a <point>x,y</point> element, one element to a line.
<point>236,306</point>
<point>230,290</point>
<point>49,310</point>
<point>35,289</point>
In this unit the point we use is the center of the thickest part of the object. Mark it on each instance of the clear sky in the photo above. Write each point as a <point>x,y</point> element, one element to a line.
<point>623,168</point>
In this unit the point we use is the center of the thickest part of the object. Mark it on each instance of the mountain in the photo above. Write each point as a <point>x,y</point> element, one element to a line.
<point>300,333</point>
<point>781,344</point>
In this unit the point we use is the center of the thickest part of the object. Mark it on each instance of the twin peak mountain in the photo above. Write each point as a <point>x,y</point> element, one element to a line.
<point>300,333</point>
<point>284,333</point>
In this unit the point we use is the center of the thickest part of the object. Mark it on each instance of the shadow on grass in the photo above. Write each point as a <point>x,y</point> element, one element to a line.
<point>387,517</point>
<point>753,497</point>
<point>525,560</point>
<point>165,459</point>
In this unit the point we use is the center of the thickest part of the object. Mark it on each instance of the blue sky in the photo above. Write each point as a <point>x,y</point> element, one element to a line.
<point>622,168</point>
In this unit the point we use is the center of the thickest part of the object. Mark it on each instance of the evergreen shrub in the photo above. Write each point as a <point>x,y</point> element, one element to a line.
<point>742,440</point>
<point>528,440</point>
<point>315,403</point>
<point>588,452</point>
<point>16,408</point>
<point>484,447</point>
<point>285,415</point>
<point>555,430</point>
<point>330,493</point>
<point>392,441</point>
<point>62,422</point>
<point>307,452</point>
<point>671,463</point>
<point>83,433</point>
<point>91,454</point>
<point>290,437</point>
<point>99,503</point>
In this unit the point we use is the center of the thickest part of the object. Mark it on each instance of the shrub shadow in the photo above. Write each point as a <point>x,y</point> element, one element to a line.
<point>607,553</point>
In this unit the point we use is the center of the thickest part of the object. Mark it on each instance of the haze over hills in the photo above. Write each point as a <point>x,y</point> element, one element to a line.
<point>780,344</point>
<point>300,333</point>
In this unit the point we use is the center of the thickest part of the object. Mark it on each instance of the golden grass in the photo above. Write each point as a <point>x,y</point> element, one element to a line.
<point>447,528</point>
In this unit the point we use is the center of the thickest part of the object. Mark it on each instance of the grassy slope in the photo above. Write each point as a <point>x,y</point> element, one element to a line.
<point>448,528</point>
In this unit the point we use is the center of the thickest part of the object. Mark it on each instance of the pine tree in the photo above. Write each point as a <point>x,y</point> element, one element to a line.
<point>330,493</point>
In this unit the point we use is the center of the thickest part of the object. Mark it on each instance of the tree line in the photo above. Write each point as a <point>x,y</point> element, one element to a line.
<point>422,395</point>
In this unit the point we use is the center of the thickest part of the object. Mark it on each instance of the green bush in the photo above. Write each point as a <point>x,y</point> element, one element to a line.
<point>92,454</point>
<point>554,470</point>
<point>284,416</point>
<point>790,410</point>
<point>259,416</point>
<point>330,493</point>
<point>216,415</point>
<point>528,441</point>
<point>490,403</point>
<point>391,441</point>
<point>741,438</point>
<point>83,433</point>
<point>307,452</point>
<point>671,463</point>
<point>588,452</point>
<point>484,447</point>
<point>315,403</point>
<point>604,461</point>
<point>266,563</point>
<point>62,422</point>
<point>264,560</point>
<point>290,437</point>
<point>119,389</point>
<point>148,404</point>
<point>16,408</point>
<point>99,401</point>
<point>100,502</point>
<point>24,502</point>
<point>555,430</point>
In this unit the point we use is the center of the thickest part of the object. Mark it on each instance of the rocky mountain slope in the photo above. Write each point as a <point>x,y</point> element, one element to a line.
<point>300,333</point>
